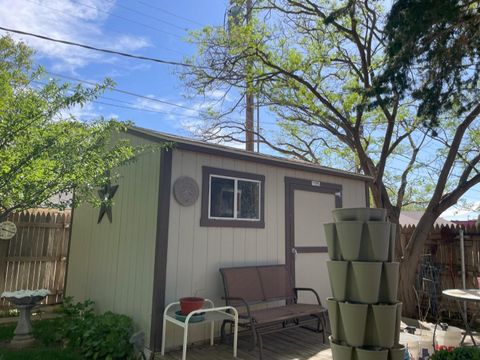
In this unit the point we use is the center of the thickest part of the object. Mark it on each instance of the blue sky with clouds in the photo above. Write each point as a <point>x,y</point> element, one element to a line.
<point>145,27</point>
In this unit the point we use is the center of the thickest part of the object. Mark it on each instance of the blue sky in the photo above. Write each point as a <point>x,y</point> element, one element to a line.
<point>145,27</point>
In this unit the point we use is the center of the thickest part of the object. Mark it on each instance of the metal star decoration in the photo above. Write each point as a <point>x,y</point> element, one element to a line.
<point>106,193</point>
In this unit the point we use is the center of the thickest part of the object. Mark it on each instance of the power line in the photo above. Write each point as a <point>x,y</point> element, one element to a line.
<point>169,13</point>
<point>126,92</point>
<point>129,105</point>
<point>140,108</point>
<point>75,16</point>
<point>141,13</point>
<point>89,47</point>
<point>127,19</point>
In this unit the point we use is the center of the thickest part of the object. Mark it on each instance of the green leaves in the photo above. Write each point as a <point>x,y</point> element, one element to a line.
<point>105,336</point>
<point>43,149</point>
<point>462,353</point>
<point>434,55</point>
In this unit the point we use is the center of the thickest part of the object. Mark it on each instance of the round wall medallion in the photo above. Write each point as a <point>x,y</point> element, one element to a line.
<point>185,191</point>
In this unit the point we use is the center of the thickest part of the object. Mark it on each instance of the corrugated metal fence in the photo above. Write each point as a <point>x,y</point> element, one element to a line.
<point>36,257</point>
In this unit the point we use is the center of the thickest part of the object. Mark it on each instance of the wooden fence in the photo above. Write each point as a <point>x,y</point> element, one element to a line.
<point>442,252</point>
<point>36,257</point>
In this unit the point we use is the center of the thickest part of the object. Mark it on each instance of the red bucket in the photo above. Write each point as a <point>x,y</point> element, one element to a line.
<point>189,304</point>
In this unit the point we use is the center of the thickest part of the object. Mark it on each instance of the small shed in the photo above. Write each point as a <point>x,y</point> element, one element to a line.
<point>180,215</point>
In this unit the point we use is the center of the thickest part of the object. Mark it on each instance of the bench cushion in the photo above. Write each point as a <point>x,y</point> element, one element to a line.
<point>286,312</point>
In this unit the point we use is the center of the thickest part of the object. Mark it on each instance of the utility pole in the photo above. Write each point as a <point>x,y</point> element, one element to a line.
<point>236,14</point>
<point>249,96</point>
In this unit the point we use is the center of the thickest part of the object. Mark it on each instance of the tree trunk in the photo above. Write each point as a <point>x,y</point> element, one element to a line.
<point>406,287</point>
<point>409,263</point>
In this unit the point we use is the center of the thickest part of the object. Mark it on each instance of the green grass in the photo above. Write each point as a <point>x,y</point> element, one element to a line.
<point>47,333</point>
<point>6,331</point>
<point>39,353</point>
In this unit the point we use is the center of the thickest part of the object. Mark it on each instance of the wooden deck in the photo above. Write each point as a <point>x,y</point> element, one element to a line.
<point>294,344</point>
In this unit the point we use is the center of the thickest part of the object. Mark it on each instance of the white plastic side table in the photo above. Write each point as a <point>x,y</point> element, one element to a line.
<point>212,314</point>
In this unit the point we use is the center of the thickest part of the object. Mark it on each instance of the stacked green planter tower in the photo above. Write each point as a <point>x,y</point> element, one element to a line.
<point>364,312</point>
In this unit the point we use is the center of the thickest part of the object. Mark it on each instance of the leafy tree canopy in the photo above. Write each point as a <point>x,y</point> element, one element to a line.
<point>433,51</point>
<point>45,151</point>
<point>318,67</point>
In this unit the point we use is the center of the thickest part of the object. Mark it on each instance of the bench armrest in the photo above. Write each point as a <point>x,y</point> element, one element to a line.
<point>297,289</point>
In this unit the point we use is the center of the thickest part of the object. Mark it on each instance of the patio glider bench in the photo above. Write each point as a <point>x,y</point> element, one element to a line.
<point>270,285</point>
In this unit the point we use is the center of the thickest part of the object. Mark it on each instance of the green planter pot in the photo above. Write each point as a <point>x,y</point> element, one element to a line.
<point>332,241</point>
<point>359,214</point>
<point>378,241</point>
<point>340,352</point>
<point>337,272</point>
<point>397,324</point>
<point>389,282</point>
<point>349,234</point>
<point>391,250</point>
<point>364,282</point>
<point>397,353</point>
<point>367,354</point>
<point>385,319</point>
<point>354,318</point>
<point>335,323</point>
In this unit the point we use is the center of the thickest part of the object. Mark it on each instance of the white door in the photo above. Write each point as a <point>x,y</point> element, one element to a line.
<point>309,207</point>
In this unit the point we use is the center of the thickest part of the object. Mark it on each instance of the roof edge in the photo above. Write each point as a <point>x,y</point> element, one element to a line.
<point>183,143</point>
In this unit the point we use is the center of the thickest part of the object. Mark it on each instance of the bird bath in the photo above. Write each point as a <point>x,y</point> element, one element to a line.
<point>24,301</point>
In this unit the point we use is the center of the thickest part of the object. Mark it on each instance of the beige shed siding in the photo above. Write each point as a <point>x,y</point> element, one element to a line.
<point>113,264</point>
<point>196,253</point>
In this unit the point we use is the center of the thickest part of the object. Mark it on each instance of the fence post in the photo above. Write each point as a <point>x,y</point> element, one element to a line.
<point>3,263</point>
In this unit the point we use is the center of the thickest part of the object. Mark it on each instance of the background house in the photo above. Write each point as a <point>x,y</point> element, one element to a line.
<point>165,242</point>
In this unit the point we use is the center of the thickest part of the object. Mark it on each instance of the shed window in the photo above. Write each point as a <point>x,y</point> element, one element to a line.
<point>231,198</point>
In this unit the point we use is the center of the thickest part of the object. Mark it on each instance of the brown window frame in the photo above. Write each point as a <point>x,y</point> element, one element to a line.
<point>207,172</point>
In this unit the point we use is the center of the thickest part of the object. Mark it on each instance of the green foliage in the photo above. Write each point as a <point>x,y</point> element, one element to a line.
<point>6,331</point>
<point>434,54</point>
<point>49,331</point>
<point>104,336</point>
<point>44,150</point>
<point>462,353</point>
<point>316,66</point>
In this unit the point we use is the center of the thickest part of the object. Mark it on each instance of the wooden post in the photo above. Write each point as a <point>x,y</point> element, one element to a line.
<point>4,244</point>
<point>249,110</point>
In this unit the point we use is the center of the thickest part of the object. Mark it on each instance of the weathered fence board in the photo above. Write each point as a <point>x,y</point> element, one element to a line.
<point>443,245</point>
<point>36,257</point>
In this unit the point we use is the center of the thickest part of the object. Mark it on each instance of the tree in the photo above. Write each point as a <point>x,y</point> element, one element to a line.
<point>316,67</point>
<point>43,150</point>
<point>433,54</point>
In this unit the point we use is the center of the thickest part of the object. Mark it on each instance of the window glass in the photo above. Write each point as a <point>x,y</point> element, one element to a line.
<point>248,199</point>
<point>221,197</point>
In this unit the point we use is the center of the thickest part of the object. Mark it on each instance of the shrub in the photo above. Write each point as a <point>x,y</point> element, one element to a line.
<point>103,336</point>
<point>463,353</point>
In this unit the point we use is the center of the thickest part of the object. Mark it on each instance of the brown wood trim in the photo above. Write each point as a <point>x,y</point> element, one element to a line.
<point>292,184</point>
<point>237,155</point>
<point>367,194</point>
<point>311,249</point>
<point>69,244</point>
<point>205,221</point>
<point>161,247</point>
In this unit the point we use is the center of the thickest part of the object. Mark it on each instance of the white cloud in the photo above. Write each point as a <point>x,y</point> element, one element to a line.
<point>68,20</point>
<point>462,213</point>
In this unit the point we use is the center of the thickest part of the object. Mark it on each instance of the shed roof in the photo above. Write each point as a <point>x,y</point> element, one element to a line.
<point>184,143</point>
